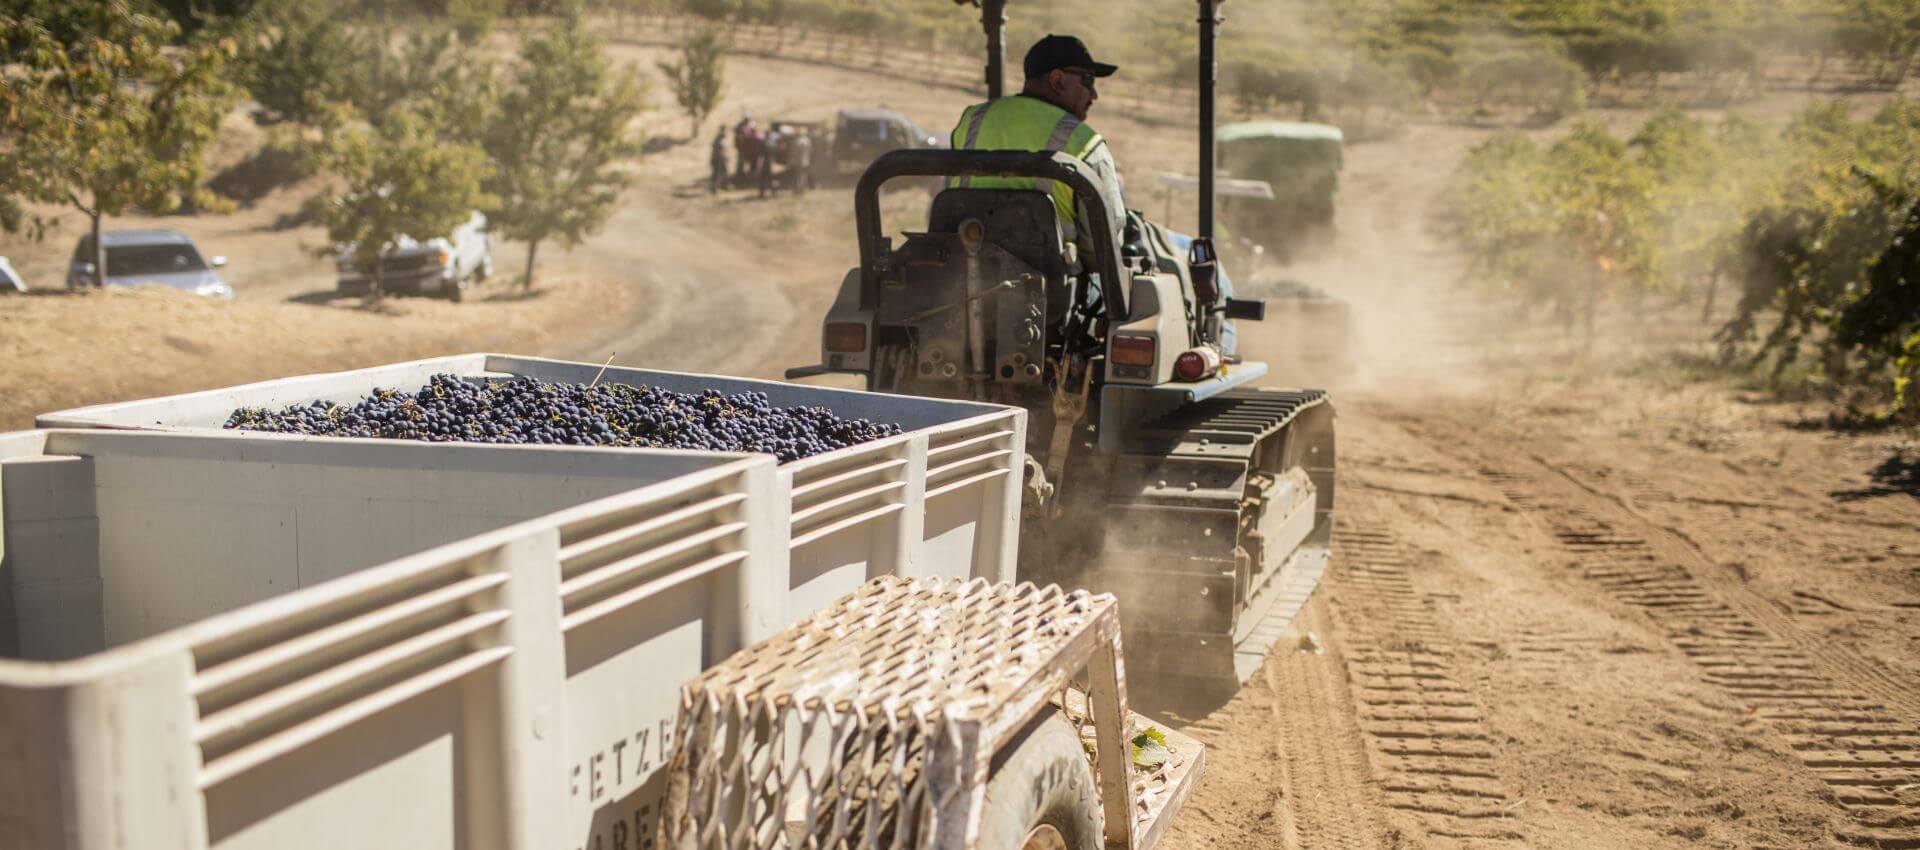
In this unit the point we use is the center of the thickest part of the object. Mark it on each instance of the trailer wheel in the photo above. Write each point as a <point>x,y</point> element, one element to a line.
<point>1041,794</point>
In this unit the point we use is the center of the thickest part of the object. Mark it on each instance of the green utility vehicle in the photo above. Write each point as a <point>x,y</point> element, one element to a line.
<point>1302,164</point>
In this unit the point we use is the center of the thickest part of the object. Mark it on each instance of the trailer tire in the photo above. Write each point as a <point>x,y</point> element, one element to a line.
<point>1042,780</point>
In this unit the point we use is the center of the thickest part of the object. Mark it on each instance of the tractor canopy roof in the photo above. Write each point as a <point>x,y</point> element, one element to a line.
<point>1297,159</point>
<point>1284,130</point>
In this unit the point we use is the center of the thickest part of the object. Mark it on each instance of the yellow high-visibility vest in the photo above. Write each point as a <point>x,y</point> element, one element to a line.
<point>1021,123</point>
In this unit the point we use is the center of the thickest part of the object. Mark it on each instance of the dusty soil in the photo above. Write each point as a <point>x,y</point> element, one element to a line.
<point>1580,597</point>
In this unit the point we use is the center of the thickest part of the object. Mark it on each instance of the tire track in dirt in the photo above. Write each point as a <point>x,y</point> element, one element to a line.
<point>1426,734</point>
<point>1286,764</point>
<point>1678,546</point>
<point>1866,752</point>
<point>1324,775</point>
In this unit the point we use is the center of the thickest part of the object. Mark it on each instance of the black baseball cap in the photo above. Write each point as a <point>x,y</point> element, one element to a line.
<point>1063,51</point>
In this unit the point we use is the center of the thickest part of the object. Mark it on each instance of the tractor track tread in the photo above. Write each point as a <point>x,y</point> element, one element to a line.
<point>1328,798</point>
<point>1865,751</point>
<point>1424,730</point>
<point>1238,416</point>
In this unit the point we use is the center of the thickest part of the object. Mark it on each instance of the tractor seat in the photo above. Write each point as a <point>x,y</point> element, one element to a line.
<point>1022,222</point>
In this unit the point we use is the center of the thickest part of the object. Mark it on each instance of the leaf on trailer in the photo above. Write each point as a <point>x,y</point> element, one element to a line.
<point>1150,748</point>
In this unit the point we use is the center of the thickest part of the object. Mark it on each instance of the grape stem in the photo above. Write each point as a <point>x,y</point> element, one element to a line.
<point>603,368</point>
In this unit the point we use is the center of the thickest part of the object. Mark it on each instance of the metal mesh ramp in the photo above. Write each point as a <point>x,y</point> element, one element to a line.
<point>873,723</point>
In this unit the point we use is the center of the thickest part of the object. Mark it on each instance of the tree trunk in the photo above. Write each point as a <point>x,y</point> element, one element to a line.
<point>99,253</point>
<point>526,280</point>
<point>1713,286</point>
<point>1593,300</point>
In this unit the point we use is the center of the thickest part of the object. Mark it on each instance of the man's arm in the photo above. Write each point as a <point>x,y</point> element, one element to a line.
<point>1101,158</point>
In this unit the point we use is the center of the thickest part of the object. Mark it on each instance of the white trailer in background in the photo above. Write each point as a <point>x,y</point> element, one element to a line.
<point>231,640</point>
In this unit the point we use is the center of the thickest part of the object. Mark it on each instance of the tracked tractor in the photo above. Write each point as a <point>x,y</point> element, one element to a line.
<point>1156,470</point>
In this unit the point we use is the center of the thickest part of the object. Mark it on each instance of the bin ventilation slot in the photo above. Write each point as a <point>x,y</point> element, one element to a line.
<point>265,690</point>
<point>966,456</point>
<point>611,561</point>
<point>639,529</point>
<point>850,491</point>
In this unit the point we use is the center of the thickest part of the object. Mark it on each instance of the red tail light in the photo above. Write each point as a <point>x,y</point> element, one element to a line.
<point>846,336</point>
<point>1133,350</point>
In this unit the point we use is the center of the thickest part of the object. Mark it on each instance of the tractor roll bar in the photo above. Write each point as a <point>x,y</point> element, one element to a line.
<point>1115,283</point>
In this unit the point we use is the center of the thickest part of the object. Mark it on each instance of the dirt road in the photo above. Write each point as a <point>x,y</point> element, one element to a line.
<point>1547,630</point>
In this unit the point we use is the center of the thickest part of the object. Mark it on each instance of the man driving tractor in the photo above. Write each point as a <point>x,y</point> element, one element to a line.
<point>1050,114</point>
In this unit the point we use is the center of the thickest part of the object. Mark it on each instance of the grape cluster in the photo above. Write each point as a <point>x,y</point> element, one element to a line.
<point>523,411</point>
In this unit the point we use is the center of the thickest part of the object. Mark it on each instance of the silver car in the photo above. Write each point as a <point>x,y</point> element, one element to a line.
<point>156,257</point>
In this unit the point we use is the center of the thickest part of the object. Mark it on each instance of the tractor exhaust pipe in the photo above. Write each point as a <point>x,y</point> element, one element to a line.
<point>1209,72</point>
<point>993,18</point>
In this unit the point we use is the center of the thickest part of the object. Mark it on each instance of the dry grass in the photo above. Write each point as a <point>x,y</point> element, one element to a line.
<point>64,350</point>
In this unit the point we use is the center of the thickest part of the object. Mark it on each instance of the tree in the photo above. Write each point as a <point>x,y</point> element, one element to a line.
<point>434,75</point>
<point>700,75</point>
<point>1502,218</point>
<point>712,10</point>
<point>400,179</point>
<point>115,116</point>
<point>1601,199</point>
<point>559,132</point>
<point>473,19</point>
<point>307,66</point>
<point>1525,76</point>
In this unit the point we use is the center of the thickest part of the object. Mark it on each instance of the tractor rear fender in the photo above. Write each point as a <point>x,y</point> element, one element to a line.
<point>1157,314</point>
<point>845,312</point>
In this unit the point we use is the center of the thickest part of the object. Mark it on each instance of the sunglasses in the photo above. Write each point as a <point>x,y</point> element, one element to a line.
<point>1086,77</point>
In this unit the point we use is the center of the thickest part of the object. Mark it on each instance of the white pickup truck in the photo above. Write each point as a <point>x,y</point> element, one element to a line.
<point>448,266</point>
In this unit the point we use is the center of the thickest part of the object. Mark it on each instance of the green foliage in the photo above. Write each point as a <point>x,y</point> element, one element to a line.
<point>699,76</point>
<point>1826,254</point>
<point>1885,33</point>
<point>557,138</point>
<point>315,68</point>
<point>114,116</point>
<point>433,75</point>
<point>1881,322</point>
<point>473,19</point>
<point>307,66</point>
<point>713,10</point>
<point>195,15</point>
<point>1818,223</point>
<point>1529,76</point>
<point>1502,217</point>
<point>1560,224</point>
<point>399,178</point>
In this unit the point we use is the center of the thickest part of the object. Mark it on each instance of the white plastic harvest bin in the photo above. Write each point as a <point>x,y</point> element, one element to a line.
<point>270,643</point>
<point>942,499</point>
